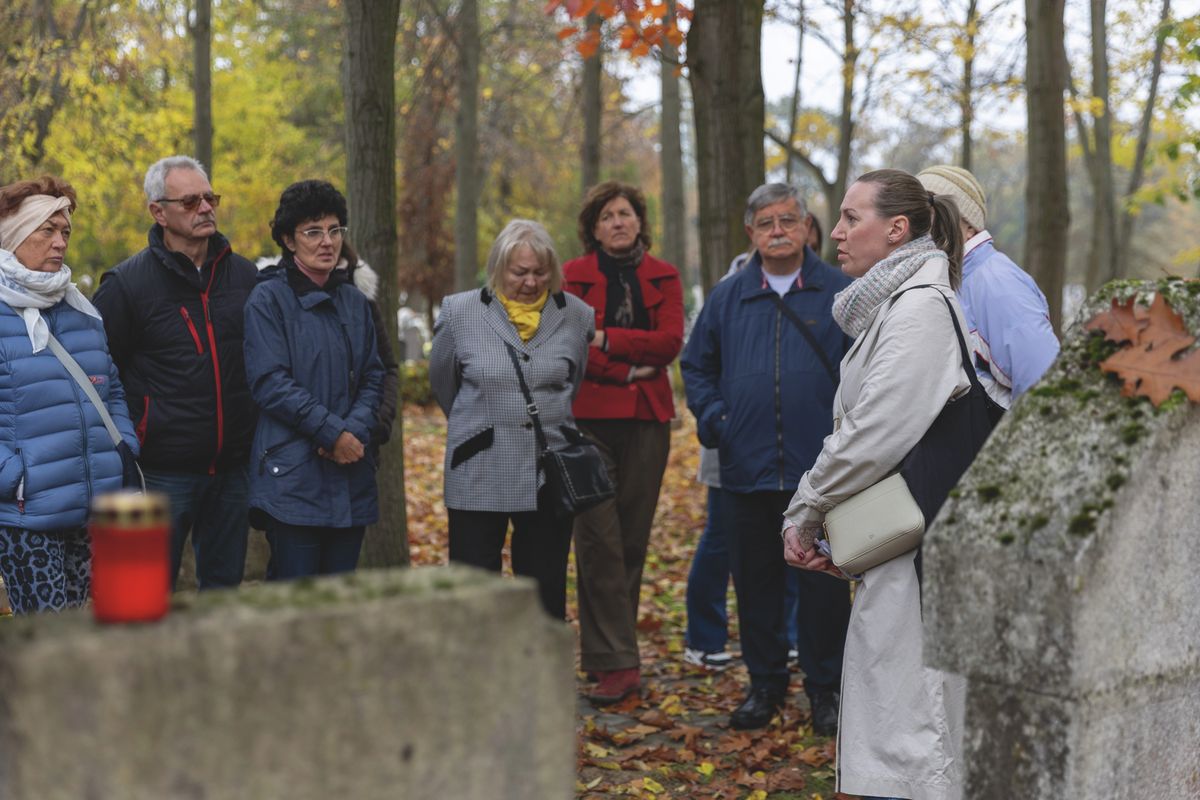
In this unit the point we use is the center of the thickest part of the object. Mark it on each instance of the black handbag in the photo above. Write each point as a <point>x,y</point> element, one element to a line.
<point>935,464</point>
<point>576,478</point>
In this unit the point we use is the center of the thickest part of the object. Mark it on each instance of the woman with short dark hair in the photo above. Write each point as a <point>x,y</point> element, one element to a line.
<point>56,452</point>
<point>625,406</point>
<point>314,370</point>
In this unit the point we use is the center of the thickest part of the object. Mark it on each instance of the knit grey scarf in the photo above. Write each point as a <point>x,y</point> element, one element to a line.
<point>854,306</point>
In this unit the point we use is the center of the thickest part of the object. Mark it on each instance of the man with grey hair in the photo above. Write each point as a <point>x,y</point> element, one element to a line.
<point>173,314</point>
<point>760,370</point>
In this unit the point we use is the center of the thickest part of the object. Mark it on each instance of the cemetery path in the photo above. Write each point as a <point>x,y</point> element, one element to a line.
<point>672,741</point>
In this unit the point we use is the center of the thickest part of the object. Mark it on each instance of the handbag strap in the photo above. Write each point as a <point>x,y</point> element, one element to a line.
<point>81,378</point>
<point>794,318</point>
<point>530,406</point>
<point>964,353</point>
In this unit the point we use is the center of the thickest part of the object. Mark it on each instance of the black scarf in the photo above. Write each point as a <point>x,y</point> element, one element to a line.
<point>623,306</point>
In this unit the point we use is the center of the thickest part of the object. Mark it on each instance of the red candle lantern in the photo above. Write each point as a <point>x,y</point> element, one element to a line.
<point>131,557</point>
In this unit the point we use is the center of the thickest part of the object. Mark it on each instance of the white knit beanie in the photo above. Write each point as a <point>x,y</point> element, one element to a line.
<point>962,186</point>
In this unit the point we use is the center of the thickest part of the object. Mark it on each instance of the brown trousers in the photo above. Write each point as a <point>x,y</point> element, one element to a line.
<point>611,540</point>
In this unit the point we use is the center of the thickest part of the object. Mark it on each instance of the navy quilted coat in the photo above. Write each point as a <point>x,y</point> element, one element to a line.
<point>55,454</point>
<point>314,371</point>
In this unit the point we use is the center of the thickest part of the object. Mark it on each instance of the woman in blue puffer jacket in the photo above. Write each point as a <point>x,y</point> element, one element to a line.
<point>55,452</point>
<point>315,373</point>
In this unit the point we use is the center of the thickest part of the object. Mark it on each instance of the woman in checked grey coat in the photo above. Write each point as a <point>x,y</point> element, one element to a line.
<point>491,466</point>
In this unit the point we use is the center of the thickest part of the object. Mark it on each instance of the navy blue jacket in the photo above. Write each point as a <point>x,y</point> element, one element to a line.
<point>55,453</point>
<point>759,392</point>
<point>314,370</point>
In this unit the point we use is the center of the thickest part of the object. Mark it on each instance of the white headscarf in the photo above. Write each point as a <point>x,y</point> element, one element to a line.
<point>28,291</point>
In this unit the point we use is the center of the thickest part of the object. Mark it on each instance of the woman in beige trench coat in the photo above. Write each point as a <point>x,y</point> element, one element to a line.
<point>901,723</point>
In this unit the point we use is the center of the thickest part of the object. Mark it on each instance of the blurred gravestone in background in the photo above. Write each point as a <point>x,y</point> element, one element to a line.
<point>1060,578</point>
<point>441,682</point>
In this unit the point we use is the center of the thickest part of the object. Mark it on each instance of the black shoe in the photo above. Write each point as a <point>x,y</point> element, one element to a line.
<point>757,709</point>
<point>825,712</point>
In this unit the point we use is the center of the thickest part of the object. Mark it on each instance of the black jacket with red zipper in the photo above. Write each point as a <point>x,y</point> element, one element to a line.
<point>175,333</point>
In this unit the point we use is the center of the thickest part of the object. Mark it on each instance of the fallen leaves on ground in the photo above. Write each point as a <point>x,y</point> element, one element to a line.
<point>674,740</point>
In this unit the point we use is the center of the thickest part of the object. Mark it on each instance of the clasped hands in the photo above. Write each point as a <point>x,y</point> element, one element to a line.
<point>636,372</point>
<point>346,450</point>
<point>800,550</point>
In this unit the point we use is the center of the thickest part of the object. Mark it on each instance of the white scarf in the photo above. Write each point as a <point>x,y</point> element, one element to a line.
<point>854,306</point>
<point>27,292</point>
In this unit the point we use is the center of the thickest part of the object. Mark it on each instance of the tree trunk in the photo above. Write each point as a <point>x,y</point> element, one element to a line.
<point>1102,251</point>
<point>724,61</point>
<point>793,122</point>
<point>1046,200</point>
<point>593,104</point>
<point>674,211</point>
<point>966,101</point>
<point>202,85</point>
<point>846,119</point>
<point>1138,172</point>
<point>369,88</point>
<point>466,147</point>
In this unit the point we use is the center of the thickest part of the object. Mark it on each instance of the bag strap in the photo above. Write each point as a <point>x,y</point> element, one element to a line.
<point>530,406</point>
<point>794,318</point>
<point>81,378</point>
<point>964,353</point>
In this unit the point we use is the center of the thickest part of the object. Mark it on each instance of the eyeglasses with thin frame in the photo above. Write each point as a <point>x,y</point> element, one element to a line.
<point>316,235</point>
<point>191,201</point>
<point>787,223</point>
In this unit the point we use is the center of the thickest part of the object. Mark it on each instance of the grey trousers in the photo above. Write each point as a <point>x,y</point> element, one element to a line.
<point>611,540</point>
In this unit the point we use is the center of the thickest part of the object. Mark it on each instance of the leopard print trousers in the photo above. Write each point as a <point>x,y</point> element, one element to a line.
<point>45,570</point>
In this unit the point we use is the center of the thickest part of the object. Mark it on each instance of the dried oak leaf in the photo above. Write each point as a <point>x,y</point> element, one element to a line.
<point>1154,365</point>
<point>1123,322</point>
<point>789,780</point>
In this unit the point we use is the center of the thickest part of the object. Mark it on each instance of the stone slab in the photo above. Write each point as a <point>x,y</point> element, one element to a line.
<point>1060,578</point>
<point>442,682</point>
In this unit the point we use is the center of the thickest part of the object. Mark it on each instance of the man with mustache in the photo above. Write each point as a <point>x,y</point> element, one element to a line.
<point>760,370</point>
<point>173,315</point>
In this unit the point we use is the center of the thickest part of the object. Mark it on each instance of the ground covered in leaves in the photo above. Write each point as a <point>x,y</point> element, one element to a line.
<point>674,740</point>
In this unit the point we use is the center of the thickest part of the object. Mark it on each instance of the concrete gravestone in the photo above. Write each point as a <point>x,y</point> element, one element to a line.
<point>1063,578</point>
<point>433,683</point>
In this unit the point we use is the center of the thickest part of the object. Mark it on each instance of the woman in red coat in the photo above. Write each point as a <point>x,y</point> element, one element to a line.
<point>625,406</point>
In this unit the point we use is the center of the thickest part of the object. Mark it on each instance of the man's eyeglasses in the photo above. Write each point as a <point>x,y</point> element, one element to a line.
<point>767,225</point>
<point>191,201</point>
<point>316,235</point>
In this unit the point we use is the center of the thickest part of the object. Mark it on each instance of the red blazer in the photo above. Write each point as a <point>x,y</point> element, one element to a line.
<point>606,392</point>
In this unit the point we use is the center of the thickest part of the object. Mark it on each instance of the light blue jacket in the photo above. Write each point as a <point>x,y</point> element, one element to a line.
<point>1009,321</point>
<point>55,453</point>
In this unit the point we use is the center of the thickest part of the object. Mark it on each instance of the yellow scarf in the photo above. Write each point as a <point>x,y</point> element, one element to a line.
<point>525,316</point>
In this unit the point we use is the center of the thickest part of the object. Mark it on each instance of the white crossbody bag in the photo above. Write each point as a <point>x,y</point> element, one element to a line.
<point>874,526</point>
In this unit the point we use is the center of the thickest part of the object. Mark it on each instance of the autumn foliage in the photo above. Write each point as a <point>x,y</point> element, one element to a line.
<point>1157,357</point>
<point>642,24</point>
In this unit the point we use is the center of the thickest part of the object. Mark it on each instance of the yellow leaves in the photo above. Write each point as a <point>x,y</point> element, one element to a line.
<point>706,769</point>
<point>596,751</point>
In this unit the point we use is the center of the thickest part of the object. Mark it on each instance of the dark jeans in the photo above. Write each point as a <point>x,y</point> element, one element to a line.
<point>540,545</point>
<point>753,522</point>
<point>45,570</point>
<point>213,508</point>
<point>708,587</point>
<point>301,550</point>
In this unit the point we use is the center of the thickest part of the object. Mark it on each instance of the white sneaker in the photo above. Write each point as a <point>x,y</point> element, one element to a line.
<point>718,661</point>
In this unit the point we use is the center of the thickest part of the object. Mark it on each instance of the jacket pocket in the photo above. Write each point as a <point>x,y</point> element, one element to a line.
<point>191,328</point>
<point>280,459</point>
<point>473,446</point>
